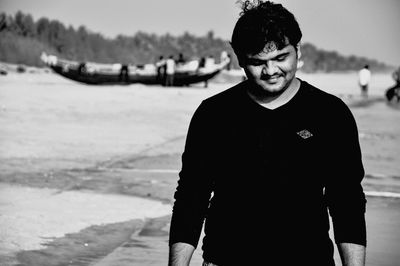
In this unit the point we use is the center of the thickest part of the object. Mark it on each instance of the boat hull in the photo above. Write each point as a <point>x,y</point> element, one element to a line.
<point>75,72</point>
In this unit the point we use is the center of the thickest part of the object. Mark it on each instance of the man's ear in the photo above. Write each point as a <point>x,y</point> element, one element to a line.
<point>300,62</point>
<point>298,51</point>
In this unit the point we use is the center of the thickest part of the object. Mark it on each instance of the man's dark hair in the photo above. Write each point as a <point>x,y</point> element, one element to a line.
<point>262,23</point>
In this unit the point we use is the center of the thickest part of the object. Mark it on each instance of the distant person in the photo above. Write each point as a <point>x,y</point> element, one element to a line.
<point>394,92</point>
<point>210,62</point>
<point>170,71</point>
<point>364,77</point>
<point>181,60</point>
<point>3,70</point>
<point>82,68</point>
<point>124,73</point>
<point>161,65</point>
<point>396,76</point>
<point>206,83</point>
<point>229,65</point>
<point>202,62</point>
<point>266,159</point>
<point>225,57</point>
<point>202,65</point>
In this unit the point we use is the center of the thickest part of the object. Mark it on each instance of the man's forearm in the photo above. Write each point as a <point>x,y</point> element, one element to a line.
<point>352,254</point>
<point>180,254</point>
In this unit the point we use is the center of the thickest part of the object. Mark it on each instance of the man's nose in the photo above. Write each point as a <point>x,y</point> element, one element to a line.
<point>269,68</point>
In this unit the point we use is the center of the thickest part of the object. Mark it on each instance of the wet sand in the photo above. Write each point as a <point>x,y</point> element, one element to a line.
<point>101,142</point>
<point>48,209</point>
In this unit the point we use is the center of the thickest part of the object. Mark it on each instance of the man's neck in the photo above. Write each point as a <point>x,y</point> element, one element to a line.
<point>273,101</point>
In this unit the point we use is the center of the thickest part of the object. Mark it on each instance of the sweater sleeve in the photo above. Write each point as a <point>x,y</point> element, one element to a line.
<point>344,193</point>
<point>194,186</point>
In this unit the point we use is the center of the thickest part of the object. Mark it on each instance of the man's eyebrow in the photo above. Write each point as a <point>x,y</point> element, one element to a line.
<point>256,59</point>
<point>282,54</point>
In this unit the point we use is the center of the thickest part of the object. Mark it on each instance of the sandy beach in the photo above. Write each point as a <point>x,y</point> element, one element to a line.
<point>87,173</point>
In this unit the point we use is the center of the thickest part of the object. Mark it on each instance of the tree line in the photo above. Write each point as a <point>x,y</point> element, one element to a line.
<point>22,40</point>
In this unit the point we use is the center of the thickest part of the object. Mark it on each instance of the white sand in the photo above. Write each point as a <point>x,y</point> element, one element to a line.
<point>347,83</point>
<point>30,217</point>
<point>49,122</point>
<point>52,122</point>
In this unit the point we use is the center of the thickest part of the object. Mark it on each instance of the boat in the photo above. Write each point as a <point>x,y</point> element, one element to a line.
<point>119,74</point>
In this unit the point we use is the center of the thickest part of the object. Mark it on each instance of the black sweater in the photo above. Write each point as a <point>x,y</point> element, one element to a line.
<point>264,179</point>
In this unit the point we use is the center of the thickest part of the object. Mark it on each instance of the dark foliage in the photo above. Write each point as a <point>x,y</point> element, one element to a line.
<point>22,40</point>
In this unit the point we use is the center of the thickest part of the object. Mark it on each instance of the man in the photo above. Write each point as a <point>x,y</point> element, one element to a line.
<point>161,66</point>
<point>170,71</point>
<point>265,159</point>
<point>364,77</point>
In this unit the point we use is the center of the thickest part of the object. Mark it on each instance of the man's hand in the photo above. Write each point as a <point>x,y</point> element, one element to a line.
<point>352,254</point>
<point>180,254</point>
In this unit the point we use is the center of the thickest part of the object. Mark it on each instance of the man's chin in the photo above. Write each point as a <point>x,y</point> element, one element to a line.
<point>272,89</point>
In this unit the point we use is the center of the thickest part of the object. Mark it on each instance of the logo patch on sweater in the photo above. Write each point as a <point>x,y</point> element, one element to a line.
<point>305,134</point>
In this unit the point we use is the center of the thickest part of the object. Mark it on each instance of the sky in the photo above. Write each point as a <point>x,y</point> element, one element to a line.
<point>368,28</point>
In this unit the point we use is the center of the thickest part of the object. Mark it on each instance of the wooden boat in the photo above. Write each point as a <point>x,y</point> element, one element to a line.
<point>111,74</point>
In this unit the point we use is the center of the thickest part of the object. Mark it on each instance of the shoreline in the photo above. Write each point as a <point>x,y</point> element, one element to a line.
<point>148,178</point>
<point>145,178</point>
<point>31,217</point>
<point>115,243</point>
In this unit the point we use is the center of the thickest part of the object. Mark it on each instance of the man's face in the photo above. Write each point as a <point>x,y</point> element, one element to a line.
<point>272,70</point>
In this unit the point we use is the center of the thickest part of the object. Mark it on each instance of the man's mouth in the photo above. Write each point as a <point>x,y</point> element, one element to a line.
<point>271,79</point>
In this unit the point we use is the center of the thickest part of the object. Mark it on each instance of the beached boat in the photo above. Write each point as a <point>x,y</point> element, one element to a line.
<point>110,74</point>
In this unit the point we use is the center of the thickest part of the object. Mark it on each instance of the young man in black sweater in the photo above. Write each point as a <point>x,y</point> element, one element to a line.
<point>265,160</point>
